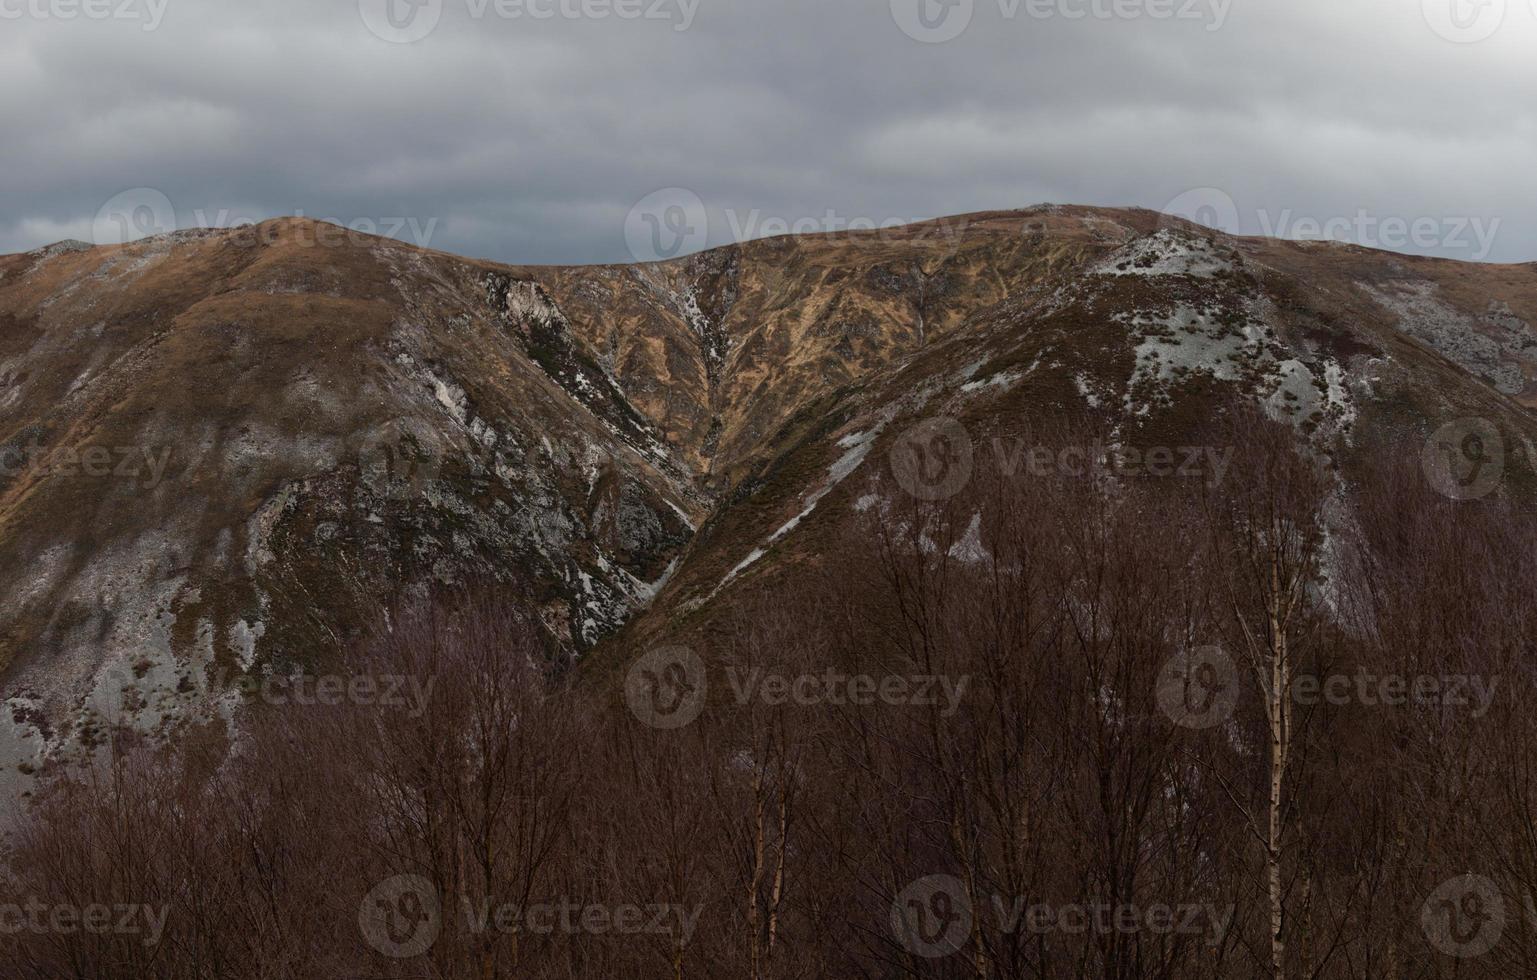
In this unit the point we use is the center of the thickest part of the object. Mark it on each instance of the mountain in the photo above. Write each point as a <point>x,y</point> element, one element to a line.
<point>223,449</point>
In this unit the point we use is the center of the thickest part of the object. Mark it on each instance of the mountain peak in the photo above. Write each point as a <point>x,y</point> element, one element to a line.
<point>299,420</point>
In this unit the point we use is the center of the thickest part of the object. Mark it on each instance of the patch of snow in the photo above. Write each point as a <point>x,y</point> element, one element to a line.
<point>1294,394</point>
<point>1456,335</point>
<point>1338,394</point>
<point>858,445</point>
<point>22,747</point>
<point>243,637</point>
<point>649,590</point>
<point>970,370</point>
<point>968,549</point>
<point>452,398</point>
<point>682,515</point>
<point>1105,228</point>
<point>1190,341</point>
<point>1003,379</point>
<point>483,433</point>
<point>1299,395</point>
<point>1166,253</point>
<point>756,554</point>
<point>1090,396</point>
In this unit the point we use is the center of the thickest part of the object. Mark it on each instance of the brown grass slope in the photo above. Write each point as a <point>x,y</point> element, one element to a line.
<point>341,418</point>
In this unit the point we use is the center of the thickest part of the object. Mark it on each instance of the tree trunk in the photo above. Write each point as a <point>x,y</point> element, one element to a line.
<point>1280,716</point>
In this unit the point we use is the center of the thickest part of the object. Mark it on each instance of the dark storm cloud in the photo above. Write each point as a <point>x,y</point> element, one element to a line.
<point>528,130</point>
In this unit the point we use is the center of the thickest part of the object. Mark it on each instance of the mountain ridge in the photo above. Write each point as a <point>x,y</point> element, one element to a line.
<point>345,418</point>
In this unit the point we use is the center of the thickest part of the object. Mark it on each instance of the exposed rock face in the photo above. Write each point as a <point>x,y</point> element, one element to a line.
<point>221,448</point>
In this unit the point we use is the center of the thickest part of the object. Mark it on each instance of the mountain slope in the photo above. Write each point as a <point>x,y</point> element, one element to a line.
<point>1146,344</point>
<point>300,422</point>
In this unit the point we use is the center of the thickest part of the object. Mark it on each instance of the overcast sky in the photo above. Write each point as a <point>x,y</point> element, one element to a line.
<point>542,130</point>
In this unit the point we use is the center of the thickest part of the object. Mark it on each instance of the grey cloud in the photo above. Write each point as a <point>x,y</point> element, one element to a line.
<point>529,140</point>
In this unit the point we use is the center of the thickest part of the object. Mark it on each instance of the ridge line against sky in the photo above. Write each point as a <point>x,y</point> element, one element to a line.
<point>580,131</point>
